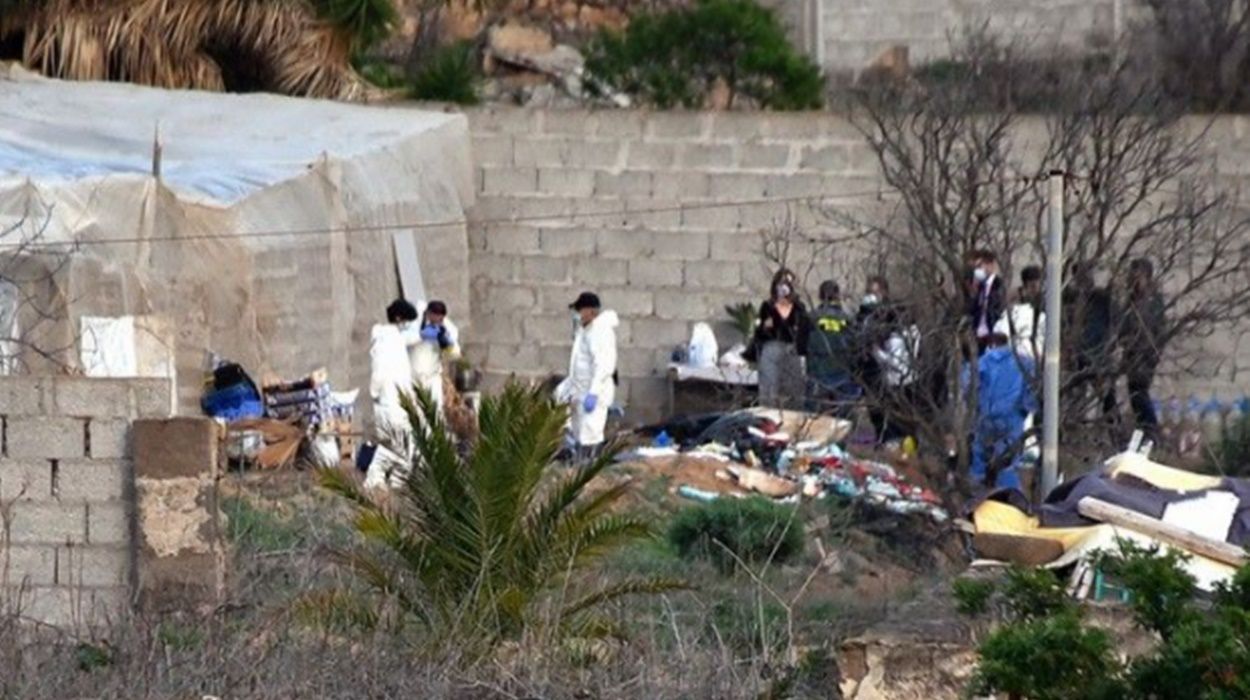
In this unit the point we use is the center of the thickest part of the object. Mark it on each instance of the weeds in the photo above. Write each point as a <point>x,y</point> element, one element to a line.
<point>451,75</point>
<point>732,531</point>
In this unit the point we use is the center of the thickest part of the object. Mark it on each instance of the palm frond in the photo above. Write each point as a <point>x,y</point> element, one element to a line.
<point>638,586</point>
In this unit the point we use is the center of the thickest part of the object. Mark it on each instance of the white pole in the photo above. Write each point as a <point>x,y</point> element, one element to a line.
<point>1050,374</point>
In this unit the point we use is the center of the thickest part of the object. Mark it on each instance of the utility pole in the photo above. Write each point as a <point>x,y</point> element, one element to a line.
<point>1054,301</point>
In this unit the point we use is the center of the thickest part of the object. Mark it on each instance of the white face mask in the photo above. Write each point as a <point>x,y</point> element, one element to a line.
<point>980,275</point>
<point>871,300</point>
<point>783,291</point>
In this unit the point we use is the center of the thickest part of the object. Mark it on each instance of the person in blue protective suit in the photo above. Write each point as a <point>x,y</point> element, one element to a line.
<point>1004,400</point>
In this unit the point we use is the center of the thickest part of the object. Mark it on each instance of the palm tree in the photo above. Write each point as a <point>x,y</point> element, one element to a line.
<point>296,47</point>
<point>483,548</point>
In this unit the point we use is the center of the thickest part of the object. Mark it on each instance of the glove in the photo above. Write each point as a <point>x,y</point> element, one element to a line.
<point>589,403</point>
<point>429,333</point>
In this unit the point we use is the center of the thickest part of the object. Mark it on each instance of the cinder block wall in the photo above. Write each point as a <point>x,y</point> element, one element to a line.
<point>68,543</point>
<point>632,204</point>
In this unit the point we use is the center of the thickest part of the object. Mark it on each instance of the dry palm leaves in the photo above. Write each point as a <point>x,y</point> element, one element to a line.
<point>273,45</point>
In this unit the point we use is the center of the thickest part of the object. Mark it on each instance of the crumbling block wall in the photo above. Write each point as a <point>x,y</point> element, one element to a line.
<point>69,545</point>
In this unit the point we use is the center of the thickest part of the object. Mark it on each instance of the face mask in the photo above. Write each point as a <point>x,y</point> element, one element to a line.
<point>783,291</point>
<point>980,275</point>
<point>576,320</point>
<point>871,300</point>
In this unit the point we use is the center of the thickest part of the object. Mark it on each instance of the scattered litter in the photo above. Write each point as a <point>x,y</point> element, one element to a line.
<point>697,494</point>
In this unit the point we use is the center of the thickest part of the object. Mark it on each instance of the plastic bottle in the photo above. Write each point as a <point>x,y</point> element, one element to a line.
<point>1212,423</point>
<point>663,440</point>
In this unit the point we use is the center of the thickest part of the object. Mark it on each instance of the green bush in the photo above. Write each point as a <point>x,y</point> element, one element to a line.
<point>1035,593</point>
<point>451,75</point>
<point>972,597</point>
<point>727,530</point>
<point>1048,653</point>
<point>675,58</point>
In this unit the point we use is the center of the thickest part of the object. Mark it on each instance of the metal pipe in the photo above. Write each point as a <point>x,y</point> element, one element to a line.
<point>1054,297</point>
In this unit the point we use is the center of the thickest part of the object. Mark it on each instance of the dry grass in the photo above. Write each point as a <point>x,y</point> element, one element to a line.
<point>766,633</point>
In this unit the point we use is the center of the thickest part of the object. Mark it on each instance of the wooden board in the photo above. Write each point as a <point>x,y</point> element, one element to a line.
<point>1174,535</point>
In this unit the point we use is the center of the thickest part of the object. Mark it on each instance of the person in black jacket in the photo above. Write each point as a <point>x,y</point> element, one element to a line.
<point>1089,311</point>
<point>1141,341</point>
<point>780,341</point>
<point>990,299</point>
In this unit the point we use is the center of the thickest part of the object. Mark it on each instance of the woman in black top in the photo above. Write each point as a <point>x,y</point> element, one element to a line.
<point>780,340</point>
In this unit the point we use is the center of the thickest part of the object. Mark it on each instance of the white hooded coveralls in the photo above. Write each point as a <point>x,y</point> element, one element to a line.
<point>426,357</point>
<point>592,363</point>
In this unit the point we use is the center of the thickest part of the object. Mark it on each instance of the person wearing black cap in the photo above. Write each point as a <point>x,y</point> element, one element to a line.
<point>429,342</point>
<point>590,386</point>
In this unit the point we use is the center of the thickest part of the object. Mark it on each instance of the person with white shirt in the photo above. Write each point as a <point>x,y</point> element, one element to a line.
<point>429,342</point>
<point>590,386</point>
<point>1024,324</point>
<point>390,378</point>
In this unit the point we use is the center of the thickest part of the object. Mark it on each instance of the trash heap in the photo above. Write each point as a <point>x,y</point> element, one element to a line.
<point>784,455</point>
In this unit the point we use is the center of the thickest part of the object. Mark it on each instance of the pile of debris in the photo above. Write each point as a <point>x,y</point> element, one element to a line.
<point>271,427</point>
<point>784,455</point>
<point>1129,498</point>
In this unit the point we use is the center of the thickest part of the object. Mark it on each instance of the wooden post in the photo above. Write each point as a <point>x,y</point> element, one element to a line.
<point>1174,535</point>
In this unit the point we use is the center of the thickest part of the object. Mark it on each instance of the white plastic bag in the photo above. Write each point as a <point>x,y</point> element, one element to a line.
<point>323,451</point>
<point>702,349</point>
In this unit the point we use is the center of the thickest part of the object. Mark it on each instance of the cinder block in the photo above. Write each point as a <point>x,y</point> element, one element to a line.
<point>711,274</point>
<point>109,439</point>
<point>597,154</point>
<point>26,480</point>
<point>81,397</point>
<point>684,185</point>
<point>659,333</point>
<point>24,396</point>
<point>621,124</point>
<point>679,244</point>
<point>152,398</point>
<point>767,217</point>
<point>23,565</point>
<point>494,268</point>
<point>595,272</point>
<point>825,159</point>
<point>764,156</point>
<point>643,155</point>
<point>507,297</point>
<point>566,182</point>
<point>647,397</point>
<point>806,126</point>
<point>93,566</point>
<point>677,125</point>
<point>617,243</point>
<point>545,270</point>
<point>707,215</point>
<point>636,362</point>
<point>92,480</point>
<point>736,246</point>
<point>504,120</point>
<point>498,328</point>
<point>796,185</point>
<point>706,156</point>
<point>655,273</point>
<point>512,239</point>
<point>539,153</point>
<point>739,127</point>
<point>181,582</point>
<point>548,328</point>
<point>630,183</point>
<point>74,608</point>
<point>627,301</point>
<point>48,523</point>
<point>739,186</point>
<point>108,523</point>
<point>46,438</point>
<point>554,359</point>
<point>522,358</point>
<point>564,242</point>
<point>682,305</point>
<point>492,149</point>
<point>652,213</point>
<point>174,447</point>
<point>509,180</point>
<point>569,122</point>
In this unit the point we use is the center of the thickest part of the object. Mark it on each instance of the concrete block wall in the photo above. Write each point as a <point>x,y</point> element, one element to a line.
<point>663,214</point>
<point>854,33</point>
<point>67,495</point>
<point>647,209</point>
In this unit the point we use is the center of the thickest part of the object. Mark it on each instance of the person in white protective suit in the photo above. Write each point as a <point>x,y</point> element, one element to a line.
<point>429,342</point>
<point>390,378</point>
<point>590,386</point>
